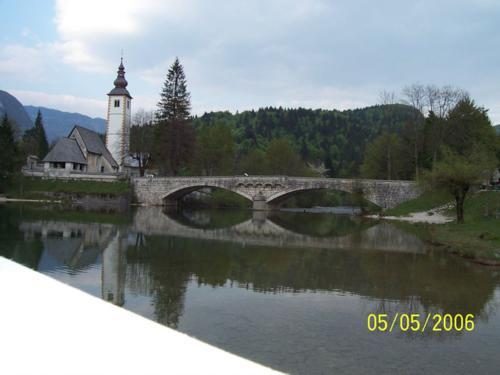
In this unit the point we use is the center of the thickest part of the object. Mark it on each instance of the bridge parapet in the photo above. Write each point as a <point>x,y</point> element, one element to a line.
<point>268,191</point>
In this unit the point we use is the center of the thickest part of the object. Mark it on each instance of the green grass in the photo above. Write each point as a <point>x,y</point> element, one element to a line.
<point>478,238</point>
<point>37,188</point>
<point>427,201</point>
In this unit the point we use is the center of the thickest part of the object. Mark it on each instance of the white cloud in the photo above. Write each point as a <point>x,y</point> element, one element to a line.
<point>22,61</point>
<point>62,102</point>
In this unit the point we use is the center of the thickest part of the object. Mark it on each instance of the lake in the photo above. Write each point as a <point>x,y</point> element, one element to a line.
<point>290,290</point>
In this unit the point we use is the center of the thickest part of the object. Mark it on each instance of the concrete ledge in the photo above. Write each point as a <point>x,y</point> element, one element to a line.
<point>51,328</point>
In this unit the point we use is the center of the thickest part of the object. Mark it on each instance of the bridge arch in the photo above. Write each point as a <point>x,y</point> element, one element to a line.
<point>279,198</point>
<point>171,197</point>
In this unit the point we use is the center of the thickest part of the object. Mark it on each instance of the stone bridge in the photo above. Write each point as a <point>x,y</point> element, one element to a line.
<point>268,192</point>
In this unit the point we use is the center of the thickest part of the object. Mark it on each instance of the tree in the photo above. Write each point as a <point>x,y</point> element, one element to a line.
<point>458,173</point>
<point>429,99</point>
<point>43,145</point>
<point>468,127</point>
<point>416,95</point>
<point>434,130</point>
<point>8,153</point>
<point>254,163</point>
<point>173,146</point>
<point>142,117</point>
<point>283,159</point>
<point>35,140</point>
<point>383,158</point>
<point>174,136</point>
<point>141,143</point>
<point>214,150</point>
<point>175,102</point>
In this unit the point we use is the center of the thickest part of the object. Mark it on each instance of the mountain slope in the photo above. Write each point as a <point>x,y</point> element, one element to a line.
<point>15,111</point>
<point>336,138</point>
<point>59,123</point>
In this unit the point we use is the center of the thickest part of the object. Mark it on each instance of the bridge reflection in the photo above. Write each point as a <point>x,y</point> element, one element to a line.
<point>263,230</point>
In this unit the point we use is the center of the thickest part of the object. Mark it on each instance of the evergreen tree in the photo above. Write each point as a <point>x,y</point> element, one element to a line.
<point>175,102</point>
<point>34,140</point>
<point>41,137</point>
<point>175,137</point>
<point>8,153</point>
<point>468,127</point>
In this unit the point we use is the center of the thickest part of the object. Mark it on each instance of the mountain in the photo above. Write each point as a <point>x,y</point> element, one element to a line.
<point>497,128</point>
<point>15,111</point>
<point>58,124</point>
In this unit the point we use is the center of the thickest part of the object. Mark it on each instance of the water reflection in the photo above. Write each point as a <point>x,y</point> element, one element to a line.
<point>254,284</point>
<point>279,230</point>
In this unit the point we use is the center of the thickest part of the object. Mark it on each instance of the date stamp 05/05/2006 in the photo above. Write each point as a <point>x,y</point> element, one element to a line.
<point>432,322</point>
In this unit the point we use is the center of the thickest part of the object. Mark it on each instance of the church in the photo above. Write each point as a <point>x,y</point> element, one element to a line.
<point>85,154</point>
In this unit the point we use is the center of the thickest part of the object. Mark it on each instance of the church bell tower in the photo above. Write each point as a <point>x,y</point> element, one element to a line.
<point>119,118</point>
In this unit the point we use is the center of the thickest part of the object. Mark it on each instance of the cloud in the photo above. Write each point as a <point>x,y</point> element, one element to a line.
<point>245,54</point>
<point>62,102</point>
<point>22,61</point>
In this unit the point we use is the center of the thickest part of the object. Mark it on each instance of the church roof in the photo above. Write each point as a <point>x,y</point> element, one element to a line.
<point>94,144</point>
<point>65,150</point>
<point>120,82</point>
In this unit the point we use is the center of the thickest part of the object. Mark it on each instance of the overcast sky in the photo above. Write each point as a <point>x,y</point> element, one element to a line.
<point>241,55</point>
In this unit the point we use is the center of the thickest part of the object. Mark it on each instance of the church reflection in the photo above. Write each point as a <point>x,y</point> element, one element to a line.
<point>77,247</point>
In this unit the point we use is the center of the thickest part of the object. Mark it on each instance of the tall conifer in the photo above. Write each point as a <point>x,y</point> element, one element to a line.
<point>175,140</point>
<point>41,137</point>
<point>175,100</point>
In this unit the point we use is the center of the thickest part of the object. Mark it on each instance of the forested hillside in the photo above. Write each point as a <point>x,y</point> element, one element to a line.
<point>334,139</point>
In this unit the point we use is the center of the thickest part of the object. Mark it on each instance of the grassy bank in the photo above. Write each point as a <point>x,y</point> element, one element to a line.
<point>427,201</point>
<point>478,238</point>
<point>37,188</point>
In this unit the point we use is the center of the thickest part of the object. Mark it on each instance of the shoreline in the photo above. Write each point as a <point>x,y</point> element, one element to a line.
<point>4,200</point>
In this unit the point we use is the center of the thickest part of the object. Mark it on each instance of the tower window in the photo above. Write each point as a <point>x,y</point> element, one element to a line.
<point>117,103</point>
<point>128,104</point>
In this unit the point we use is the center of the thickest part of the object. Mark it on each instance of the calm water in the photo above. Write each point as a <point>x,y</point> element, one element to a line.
<point>291,290</point>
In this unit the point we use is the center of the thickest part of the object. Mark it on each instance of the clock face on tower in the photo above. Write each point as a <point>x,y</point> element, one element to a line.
<point>119,118</point>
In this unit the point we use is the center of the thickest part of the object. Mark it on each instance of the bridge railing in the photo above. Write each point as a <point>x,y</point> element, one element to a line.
<point>271,176</point>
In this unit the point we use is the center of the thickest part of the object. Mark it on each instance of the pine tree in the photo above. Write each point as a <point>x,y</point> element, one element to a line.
<point>175,102</point>
<point>41,137</point>
<point>8,153</point>
<point>175,137</point>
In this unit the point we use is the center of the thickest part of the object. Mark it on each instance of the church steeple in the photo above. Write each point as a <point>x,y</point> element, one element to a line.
<point>119,118</point>
<point>120,82</point>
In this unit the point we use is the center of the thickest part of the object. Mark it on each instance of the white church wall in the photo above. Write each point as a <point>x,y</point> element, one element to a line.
<point>118,127</point>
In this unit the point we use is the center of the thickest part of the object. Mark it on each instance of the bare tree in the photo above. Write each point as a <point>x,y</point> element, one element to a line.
<point>387,97</point>
<point>142,117</point>
<point>415,95</point>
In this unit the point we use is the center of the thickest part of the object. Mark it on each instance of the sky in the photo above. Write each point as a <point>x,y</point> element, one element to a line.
<point>247,54</point>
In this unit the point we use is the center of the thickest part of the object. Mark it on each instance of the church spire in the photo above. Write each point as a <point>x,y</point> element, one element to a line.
<point>120,82</point>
